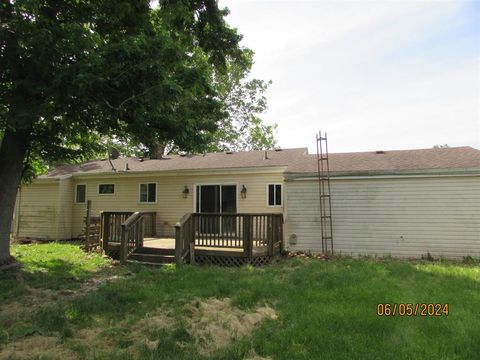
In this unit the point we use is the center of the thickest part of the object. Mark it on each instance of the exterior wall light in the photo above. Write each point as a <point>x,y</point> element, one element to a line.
<point>243,192</point>
<point>185,192</point>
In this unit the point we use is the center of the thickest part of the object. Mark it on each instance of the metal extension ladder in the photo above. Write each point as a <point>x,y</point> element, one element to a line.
<point>326,228</point>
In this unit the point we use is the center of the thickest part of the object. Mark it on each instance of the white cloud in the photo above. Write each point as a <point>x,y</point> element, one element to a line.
<point>387,75</point>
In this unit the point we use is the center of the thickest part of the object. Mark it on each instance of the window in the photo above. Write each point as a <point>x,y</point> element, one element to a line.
<point>106,189</point>
<point>148,193</point>
<point>274,194</point>
<point>81,193</point>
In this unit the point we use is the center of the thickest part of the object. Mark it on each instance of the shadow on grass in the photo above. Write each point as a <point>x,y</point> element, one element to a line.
<point>50,266</point>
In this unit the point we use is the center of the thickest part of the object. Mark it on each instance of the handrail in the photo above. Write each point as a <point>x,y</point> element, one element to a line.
<point>132,235</point>
<point>185,239</point>
<point>134,217</point>
<point>184,218</point>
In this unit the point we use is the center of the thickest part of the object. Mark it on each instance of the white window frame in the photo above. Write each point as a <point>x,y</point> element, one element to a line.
<point>274,195</point>
<point>140,193</point>
<point>76,190</point>
<point>105,183</point>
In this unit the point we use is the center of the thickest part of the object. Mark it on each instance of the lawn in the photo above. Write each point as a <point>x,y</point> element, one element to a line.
<point>67,304</point>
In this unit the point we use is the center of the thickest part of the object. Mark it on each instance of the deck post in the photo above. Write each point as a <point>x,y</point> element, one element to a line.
<point>142,232</point>
<point>280,235</point>
<point>87,225</point>
<point>154,223</point>
<point>191,238</point>
<point>192,252</point>
<point>106,226</point>
<point>123,245</point>
<point>178,244</point>
<point>247,236</point>
<point>272,234</point>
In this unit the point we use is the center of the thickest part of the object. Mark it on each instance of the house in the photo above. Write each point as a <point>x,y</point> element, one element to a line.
<point>402,203</point>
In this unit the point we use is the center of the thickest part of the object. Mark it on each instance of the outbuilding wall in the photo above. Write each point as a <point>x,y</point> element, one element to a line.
<point>398,216</point>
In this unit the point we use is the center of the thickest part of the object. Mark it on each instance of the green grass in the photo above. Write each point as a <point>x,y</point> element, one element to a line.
<point>326,309</point>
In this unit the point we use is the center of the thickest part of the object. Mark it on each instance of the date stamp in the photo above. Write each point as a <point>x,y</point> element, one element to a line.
<point>410,309</point>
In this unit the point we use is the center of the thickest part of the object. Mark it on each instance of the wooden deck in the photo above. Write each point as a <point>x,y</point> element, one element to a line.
<point>219,239</point>
<point>169,243</point>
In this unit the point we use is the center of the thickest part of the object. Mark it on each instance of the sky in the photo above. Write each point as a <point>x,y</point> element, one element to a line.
<point>375,75</point>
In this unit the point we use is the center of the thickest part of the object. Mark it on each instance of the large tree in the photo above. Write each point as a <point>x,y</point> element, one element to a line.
<point>243,99</point>
<point>71,71</point>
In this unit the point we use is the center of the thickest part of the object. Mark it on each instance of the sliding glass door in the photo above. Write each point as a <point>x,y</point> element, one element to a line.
<point>217,199</point>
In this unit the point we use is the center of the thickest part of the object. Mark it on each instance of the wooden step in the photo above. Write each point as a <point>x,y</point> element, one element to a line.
<point>152,258</point>
<point>155,251</point>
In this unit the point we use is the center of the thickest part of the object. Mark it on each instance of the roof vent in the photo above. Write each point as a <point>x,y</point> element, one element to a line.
<point>126,167</point>
<point>229,152</point>
<point>265,155</point>
<point>278,149</point>
<point>379,152</point>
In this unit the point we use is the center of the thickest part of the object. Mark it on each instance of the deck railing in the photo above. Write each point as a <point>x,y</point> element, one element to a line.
<point>244,232</point>
<point>132,235</point>
<point>123,231</point>
<point>185,239</point>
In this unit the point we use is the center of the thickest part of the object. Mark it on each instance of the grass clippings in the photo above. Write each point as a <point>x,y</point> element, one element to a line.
<point>37,347</point>
<point>214,323</point>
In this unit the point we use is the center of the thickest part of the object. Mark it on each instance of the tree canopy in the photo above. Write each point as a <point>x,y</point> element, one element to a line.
<point>73,72</point>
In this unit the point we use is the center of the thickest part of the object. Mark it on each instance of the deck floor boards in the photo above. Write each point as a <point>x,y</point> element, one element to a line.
<point>169,243</point>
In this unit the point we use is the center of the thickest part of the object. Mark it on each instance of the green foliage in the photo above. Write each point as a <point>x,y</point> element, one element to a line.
<point>74,72</point>
<point>244,101</point>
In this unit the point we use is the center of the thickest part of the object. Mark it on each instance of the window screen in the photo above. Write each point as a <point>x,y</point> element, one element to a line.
<point>274,194</point>
<point>81,193</point>
<point>148,193</point>
<point>106,189</point>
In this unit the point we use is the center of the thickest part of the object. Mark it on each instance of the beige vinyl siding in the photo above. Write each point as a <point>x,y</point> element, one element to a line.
<point>65,205</point>
<point>403,217</point>
<point>171,205</point>
<point>38,211</point>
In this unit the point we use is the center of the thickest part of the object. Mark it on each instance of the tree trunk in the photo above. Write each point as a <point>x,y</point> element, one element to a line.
<point>12,153</point>
<point>157,151</point>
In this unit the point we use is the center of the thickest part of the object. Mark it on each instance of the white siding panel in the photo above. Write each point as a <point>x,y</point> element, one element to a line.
<point>405,217</point>
<point>38,211</point>
<point>65,204</point>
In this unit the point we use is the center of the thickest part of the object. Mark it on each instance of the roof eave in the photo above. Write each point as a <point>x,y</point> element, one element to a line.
<point>179,172</point>
<point>373,173</point>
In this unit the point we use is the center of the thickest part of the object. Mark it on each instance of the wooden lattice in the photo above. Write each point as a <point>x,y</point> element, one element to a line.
<point>113,251</point>
<point>232,260</point>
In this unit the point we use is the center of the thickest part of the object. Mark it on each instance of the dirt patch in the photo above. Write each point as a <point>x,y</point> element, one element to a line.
<point>214,323</point>
<point>159,319</point>
<point>254,356</point>
<point>309,255</point>
<point>35,347</point>
<point>35,298</point>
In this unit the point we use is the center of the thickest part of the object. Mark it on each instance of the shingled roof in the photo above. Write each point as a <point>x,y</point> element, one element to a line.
<point>295,161</point>
<point>394,161</point>
<point>209,161</point>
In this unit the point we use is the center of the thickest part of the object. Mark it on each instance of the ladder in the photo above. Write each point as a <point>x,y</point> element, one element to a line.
<point>326,229</point>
